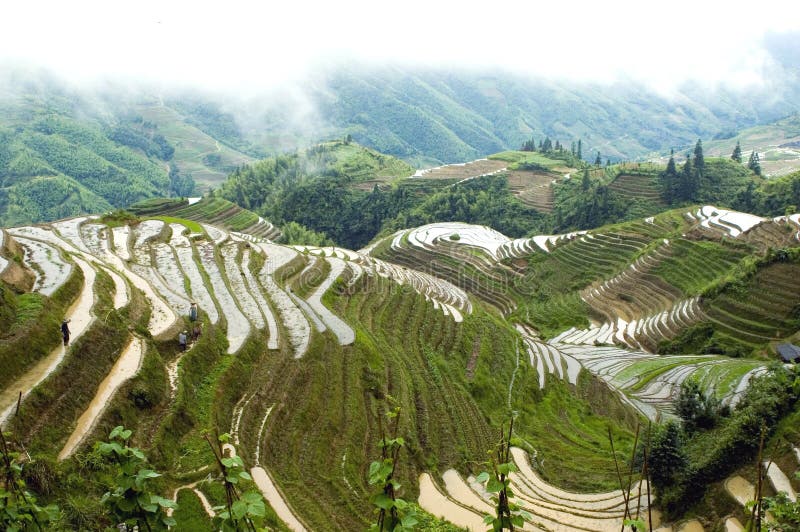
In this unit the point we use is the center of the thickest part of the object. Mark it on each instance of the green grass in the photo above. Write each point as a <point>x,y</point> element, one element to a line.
<point>527,157</point>
<point>693,266</point>
<point>191,225</point>
<point>190,514</point>
<point>37,332</point>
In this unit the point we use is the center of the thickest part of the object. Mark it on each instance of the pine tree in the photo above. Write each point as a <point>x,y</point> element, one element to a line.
<point>579,155</point>
<point>572,148</point>
<point>597,160</point>
<point>737,153</point>
<point>586,182</point>
<point>699,160</point>
<point>669,179</point>
<point>668,459</point>
<point>754,163</point>
<point>688,186</point>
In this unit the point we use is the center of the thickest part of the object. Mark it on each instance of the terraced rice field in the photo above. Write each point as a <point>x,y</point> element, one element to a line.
<point>462,171</point>
<point>743,491</point>
<point>638,188</point>
<point>763,311</point>
<point>222,213</point>
<point>533,189</point>
<point>650,382</point>
<point>464,502</point>
<point>416,288</point>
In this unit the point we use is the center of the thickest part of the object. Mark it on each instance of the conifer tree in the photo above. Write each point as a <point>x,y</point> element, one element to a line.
<point>669,179</point>
<point>754,163</point>
<point>586,182</point>
<point>572,148</point>
<point>688,180</point>
<point>737,153</point>
<point>579,155</point>
<point>699,160</point>
<point>597,160</point>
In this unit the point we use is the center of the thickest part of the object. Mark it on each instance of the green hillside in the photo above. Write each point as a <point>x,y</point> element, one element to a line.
<point>778,145</point>
<point>56,162</point>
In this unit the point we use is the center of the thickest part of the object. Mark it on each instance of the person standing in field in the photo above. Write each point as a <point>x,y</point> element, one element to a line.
<point>65,331</point>
<point>182,340</point>
<point>193,311</point>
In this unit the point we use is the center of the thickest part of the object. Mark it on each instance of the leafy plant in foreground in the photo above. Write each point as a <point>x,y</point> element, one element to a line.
<point>394,513</point>
<point>508,514</point>
<point>240,511</point>
<point>18,508</point>
<point>131,500</point>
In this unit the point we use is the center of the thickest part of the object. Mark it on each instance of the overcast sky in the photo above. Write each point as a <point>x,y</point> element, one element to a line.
<point>235,44</point>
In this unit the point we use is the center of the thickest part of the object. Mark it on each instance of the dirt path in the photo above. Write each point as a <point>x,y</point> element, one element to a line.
<point>125,368</point>
<point>80,318</point>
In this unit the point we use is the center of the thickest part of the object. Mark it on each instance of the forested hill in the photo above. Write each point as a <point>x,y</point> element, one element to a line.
<point>434,116</point>
<point>57,161</point>
<point>340,192</point>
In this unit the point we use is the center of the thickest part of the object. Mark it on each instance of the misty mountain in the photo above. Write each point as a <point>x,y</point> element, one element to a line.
<point>429,116</point>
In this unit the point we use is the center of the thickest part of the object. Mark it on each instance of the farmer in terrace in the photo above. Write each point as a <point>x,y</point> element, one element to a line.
<point>193,311</point>
<point>65,331</point>
<point>182,340</point>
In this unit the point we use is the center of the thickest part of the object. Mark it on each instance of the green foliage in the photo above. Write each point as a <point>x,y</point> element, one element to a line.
<point>508,514</point>
<point>293,233</point>
<point>668,461</point>
<point>394,513</point>
<point>241,510</point>
<point>130,499</point>
<point>34,332</point>
<point>19,510</point>
<point>697,409</point>
<point>754,163</point>
<point>736,156</point>
<point>58,164</point>
<point>785,513</point>
<point>713,454</point>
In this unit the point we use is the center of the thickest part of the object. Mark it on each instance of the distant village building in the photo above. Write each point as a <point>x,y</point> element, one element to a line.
<point>789,352</point>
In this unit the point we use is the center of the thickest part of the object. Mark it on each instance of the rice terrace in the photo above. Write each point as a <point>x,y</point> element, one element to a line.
<point>284,326</point>
<point>280,267</point>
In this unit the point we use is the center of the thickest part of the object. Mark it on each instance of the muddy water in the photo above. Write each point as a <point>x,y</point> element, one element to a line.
<point>460,491</point>
<point>740,489</point>
<point>433,501</point>
<point>80,318</point>
<point>275,499</point>
<point>121,298</point>
<point>126,367</point>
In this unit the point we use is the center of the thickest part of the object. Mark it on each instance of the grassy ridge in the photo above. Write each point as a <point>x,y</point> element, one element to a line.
<point>34,337</point>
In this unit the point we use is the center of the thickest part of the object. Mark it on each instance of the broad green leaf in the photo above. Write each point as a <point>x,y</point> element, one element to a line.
<point>257,508</point>
<point>238,509</point>
<point>483,477</point>
<point>494,485</point>
<point>383,501</point>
